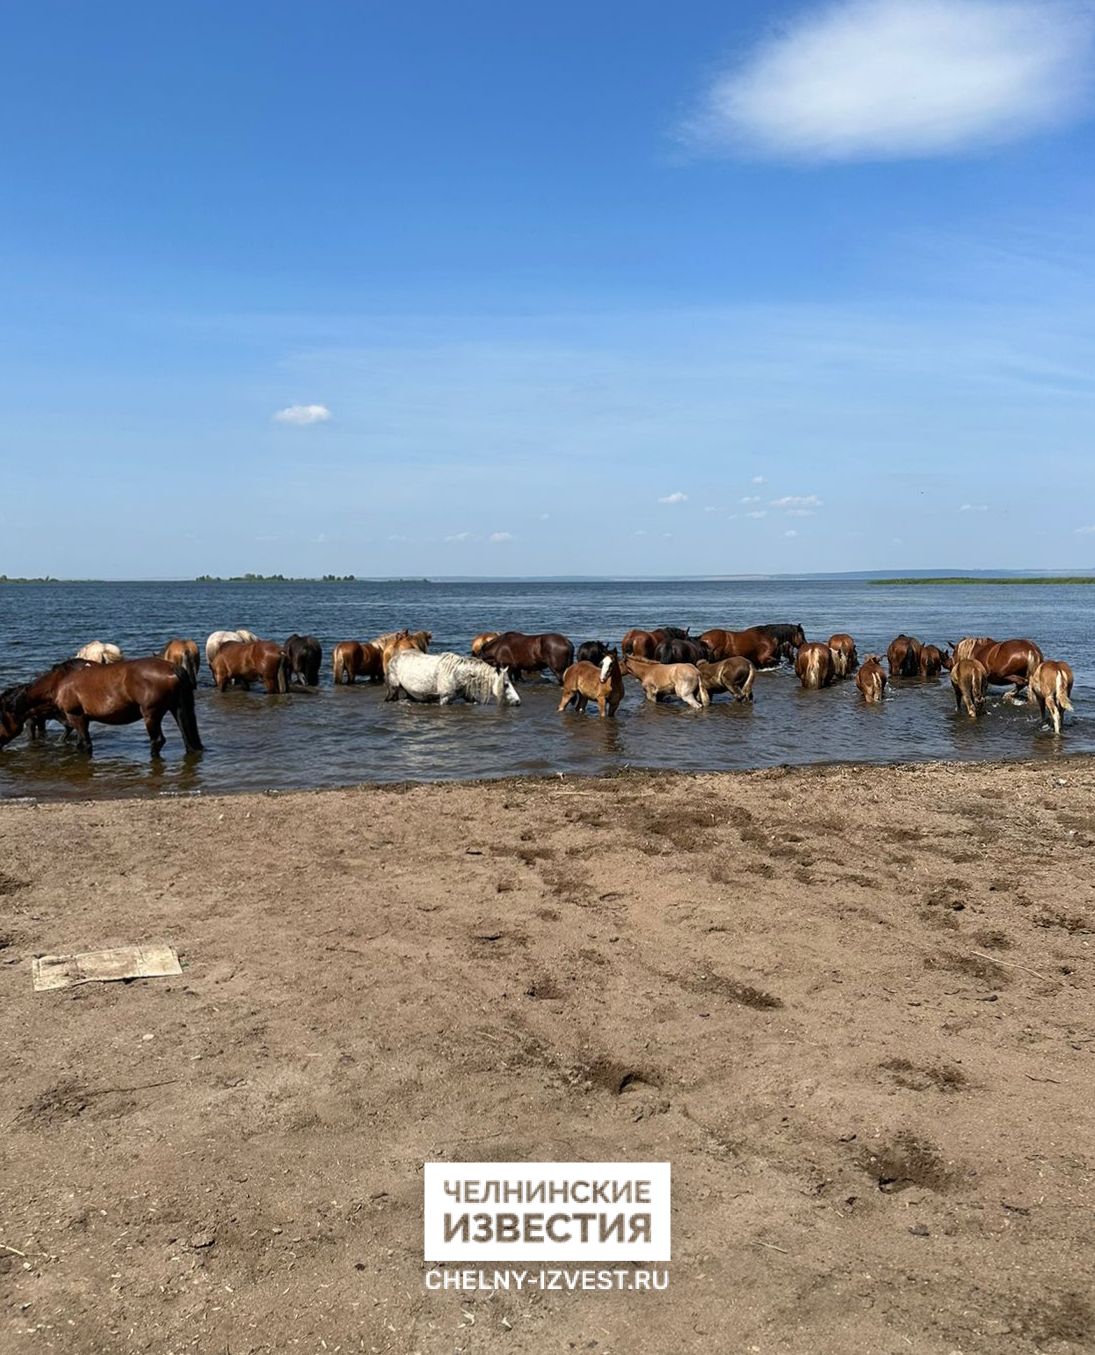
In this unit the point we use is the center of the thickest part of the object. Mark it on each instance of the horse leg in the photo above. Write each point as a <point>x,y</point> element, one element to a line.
<point>79,722</point>
<point>564,700</point>
<point>601,704</point>
<point>153,722</point>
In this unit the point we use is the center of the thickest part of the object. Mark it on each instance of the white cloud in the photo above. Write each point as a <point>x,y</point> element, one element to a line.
<point>1086,531</point>
<point>676,497</point>
<point>302,415</point>
<point>798,504</point>
<point>892,79</point>
<point>791,532</point>
<point>759,480</point>
<point>974,508</point>
<point>711,508</point>
<point>460,536</point>
<point>758,513</point>
<point>750,498</point>
<point>499,537</point>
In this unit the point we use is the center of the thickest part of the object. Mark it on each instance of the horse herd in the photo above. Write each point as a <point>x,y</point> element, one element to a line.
<point>99,684</point>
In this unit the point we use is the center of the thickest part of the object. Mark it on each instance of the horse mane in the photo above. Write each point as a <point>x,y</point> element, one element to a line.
<point>14,699</point>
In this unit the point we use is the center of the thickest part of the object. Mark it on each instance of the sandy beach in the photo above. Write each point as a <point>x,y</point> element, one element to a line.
<point>853,1007</point>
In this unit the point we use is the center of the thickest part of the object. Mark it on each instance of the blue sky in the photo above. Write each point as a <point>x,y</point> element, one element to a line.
<point>501,289</point>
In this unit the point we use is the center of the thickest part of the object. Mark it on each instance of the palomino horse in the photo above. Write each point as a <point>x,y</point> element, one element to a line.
<point>251,661</point>
<point>119,694</point>
<point>735,676</point>
<point>584,682</point>
<point>1050,688</point>
<point>529,653</point>
<point>184,653</point>
<point>483,638</point>
<point>34,702</point>
<point>845,659</point>
<point>305,654</point>
<point>668,679</point>
<point>98,652</point>
<point>933,660</point>
<point>814,665</point>
<point>1007,662</point>
<point>871,680</point>
<point>969,678</point>
<point>224,637</point>
<point>353,660</point>
<point>903,656</point>
<point>754,644</point>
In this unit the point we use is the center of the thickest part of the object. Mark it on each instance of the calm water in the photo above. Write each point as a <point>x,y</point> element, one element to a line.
<point>345,735</point>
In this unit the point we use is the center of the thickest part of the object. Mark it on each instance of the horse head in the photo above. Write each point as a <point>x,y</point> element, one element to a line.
<point>606,665</point>
<point>504,691</point>
<point>14,704</point>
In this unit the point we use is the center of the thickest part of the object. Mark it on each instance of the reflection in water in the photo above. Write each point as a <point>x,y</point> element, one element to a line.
<point>346,735</point>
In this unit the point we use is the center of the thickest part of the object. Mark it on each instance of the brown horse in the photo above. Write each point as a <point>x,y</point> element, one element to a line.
<point>305,655</point>
<point>420,639</point>
<point>871,680</point>
<point>352,660</point>
<point>251,661</point>
<point>968,678</point>
<point>529,653</point>
<point>1050,688</point>
<point>814,665</point>
<point>666,679</point>
<point>903,656</point>
<point>1007,662</point>
<point>483,638</point>
<point>603,683</point>
<point>639,642</point>
<point>734,675</point>
<point>755,644</point>
<point>122,693</point>
<point>933,660</point>
<point>33,703</point>
<point>186,654</point>
<point>845,658</point>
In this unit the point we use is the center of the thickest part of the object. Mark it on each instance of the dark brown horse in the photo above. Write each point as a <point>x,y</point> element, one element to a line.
<point>529,653</point>
<point>353,660</point>
<point>119,694</point>
<point>788,637</point>
<point>34,702</point>
<point>682,649</point>
<point>305,654</point>
<point>903,656</point>
<point>754,644</point>
<point>255,661</point>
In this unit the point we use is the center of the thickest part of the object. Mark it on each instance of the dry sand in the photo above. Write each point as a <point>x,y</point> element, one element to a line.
<point>852,1006</point>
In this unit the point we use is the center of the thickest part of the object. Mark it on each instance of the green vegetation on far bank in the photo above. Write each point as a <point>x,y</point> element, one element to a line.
<point>994,582</point>
<point>274,578</point>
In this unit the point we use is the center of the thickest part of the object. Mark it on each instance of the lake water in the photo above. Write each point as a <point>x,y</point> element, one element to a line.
<point>347,735</point>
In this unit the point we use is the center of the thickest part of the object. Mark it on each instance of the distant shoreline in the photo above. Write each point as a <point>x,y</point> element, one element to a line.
<point>971,580</point>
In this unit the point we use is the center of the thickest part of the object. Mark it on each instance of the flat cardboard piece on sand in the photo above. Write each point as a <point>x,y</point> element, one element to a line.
<point>152,961</point>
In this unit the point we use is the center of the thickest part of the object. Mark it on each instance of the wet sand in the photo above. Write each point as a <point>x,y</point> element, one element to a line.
<point>853,1007</point>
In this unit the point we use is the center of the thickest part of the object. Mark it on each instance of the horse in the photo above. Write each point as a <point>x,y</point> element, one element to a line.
<point>1049,688</point>
<point>35,702</point>
<point>99,652</point>
<point>251,661</point>
<point>789,638</point>
<point>224,637</point>
<point>305,654</point>
<point>1007,662</point>
<point>845,658</point>
<point>641,643</point>
<point>665,679</point>
<point>184,653</point>
<point>754,644</point>
<point>933,660</point>
<point>903,656</point>
<point>968,678</point>
<point>584,681</point>
<point>444,677</point>
<point>871,680</point>
<point>353,660</point>
<point>592,651</point>
<point>393,643</point>
<point>484,637</point>
<point>420,639</point>
<point>121,693</point>
<point>678,649</point>
<point>735,676</point>
<point>529,653</point>
<point>814,665</point>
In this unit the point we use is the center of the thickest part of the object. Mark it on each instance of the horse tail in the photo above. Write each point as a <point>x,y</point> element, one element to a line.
<point>747,684</point>
<point>183,673</point>
<point>184,714</point>
<point>336,664</point>
<point>283,674</point>
<point>703,694</point>
<point>1061,691</point>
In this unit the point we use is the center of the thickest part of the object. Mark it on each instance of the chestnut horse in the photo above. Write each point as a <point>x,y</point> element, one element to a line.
<point>754,644</point>
<point>222,637</point>
<point>254,661</point>
<point>484,637</point>
<point>186,654</point>
<point>903,656</point>
<point>735,676</point>
<point>665,679</point>
<point>120,694</point>
<point>529,653</point>
<point>353,660</point>
<point>814,665</point>
<point>968,678</point>
<point>584,681</point>
<point>1007,662</point>
<point>933,660</point>
<point>845,659</point>
<point>1050,688</point>
<point>871,680</point>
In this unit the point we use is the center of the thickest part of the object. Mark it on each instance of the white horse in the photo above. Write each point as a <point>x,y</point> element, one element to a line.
<point>99,652</point>
<point>223,637</point>
<point>443,677</point>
